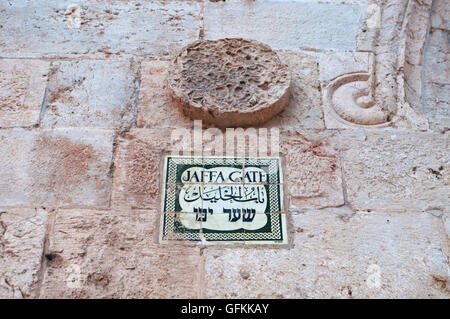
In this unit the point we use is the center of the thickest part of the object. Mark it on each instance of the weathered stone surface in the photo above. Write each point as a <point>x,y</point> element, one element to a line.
<point>335,64</point>
<point>22,234</point>
<point>304,109</point>
<point>413,38</point>
<point>22,89</point>
<point>137,168</point>
<point>440,15</point>
<point>312,172</point>
<point>16,145</point>
<point>369,28</point>
<point>286,24</point>
<point>112,254</point>
<point>436,92</point>
<point>394,170</point>
<point>96,28</point>
<point>368,208</point>
<point>369,255</point>
<point>155,105</point>
<point>63,167</point>
<point>229,82</point>
<point>312,166</point>
<point>446,220</point>
<point>91,94</point>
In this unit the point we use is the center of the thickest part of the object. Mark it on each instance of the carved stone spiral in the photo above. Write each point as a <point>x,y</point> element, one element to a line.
<point>229,82</point>
<point>351,97</point>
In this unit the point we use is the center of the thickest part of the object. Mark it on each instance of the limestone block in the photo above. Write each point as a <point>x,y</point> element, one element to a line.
<point>369,255</point>
<point>91,93</point>
<point>22,89</point>
<point>313,170</point>
<point>312,166</point>
<point>22,234</point>
<point>137,168</point>
<point>86,28</point>
<point>304,109</point>
<point>369,28</point>
<point>156,108</point>
<point>286,24</point>
<point>112,254</point>
<point>436,92</point>
<point>62,167</point>
<point>394,170</point>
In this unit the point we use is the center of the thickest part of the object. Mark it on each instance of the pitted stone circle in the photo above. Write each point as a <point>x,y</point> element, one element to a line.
<point>229,82</point>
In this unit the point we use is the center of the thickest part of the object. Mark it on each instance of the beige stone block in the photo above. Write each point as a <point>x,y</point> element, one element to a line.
<point>137,165</point>
<point>286,24</point>
<point>304,109</point>
<point>396,169</point>
<point>92,93</point>
<point>113,254</point>
<point>436,85</point>
<point>156,108</point>
<point>62,167</point>
<point>22,90</point>
<point>367,255</point>
<point>312,169</point>
<point>22,233</point>
<point>336,64</point>
<point>98,29</point>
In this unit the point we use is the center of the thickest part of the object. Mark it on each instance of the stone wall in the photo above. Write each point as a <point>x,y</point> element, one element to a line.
<point>85,119</point>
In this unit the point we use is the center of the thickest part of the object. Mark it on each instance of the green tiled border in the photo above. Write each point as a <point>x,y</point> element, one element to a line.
<point>273,232</point>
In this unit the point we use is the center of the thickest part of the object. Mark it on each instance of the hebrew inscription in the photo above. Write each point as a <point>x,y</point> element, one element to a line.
<point>223,200</point>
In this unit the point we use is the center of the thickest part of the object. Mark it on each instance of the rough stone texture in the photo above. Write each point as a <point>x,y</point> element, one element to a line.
<point>137,168</point>
<point>369,28</point>
<point>64,167</point>
<point>91,94</point>
<point>436,91</point>
<point>155,105</point>
<point>304,109</point>
<point>229,82</point>
<point>21,248</point>
<point>22,89</point>
<point>365,203</point>
<point>286,24</point>
<point>108,254</point>
<point>312,167</point>
<point>313,170</point>
<point>440,15</point>
<point>339,257</point>
<point>396,169</point>
<point>64,28</point>
<point>418,19</point>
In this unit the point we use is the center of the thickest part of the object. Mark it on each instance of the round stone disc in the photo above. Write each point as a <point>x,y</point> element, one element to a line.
<point>229,82</point>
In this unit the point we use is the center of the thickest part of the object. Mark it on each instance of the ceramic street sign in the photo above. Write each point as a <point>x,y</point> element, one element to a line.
<point>223,199</point>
